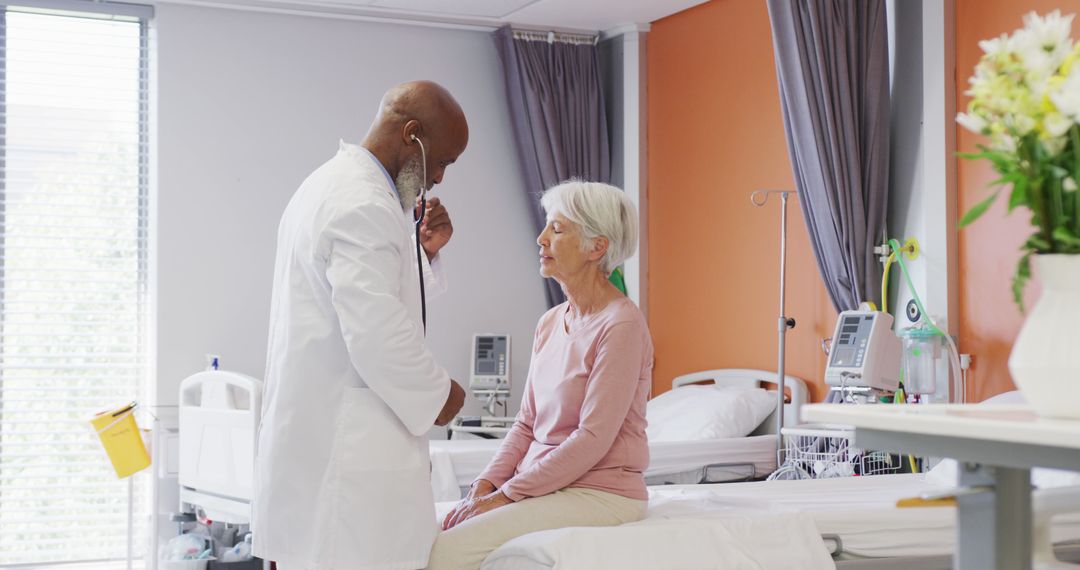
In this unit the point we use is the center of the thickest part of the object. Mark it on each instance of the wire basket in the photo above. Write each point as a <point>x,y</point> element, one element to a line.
<point>825,452</point>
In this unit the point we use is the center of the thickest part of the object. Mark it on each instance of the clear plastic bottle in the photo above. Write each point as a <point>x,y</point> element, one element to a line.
<point>922,350</point>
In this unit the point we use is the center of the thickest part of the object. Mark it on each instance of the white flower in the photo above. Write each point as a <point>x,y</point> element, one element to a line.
<point>1066,97</point>
<point>973,123</point>
<point>1042,45</point>
<point>1056,124</point>
<point>1019,86</point>
<point>1003,143</point>
<point>997,45</point>
<point>1050,35</point>
<point>1022,124</point>
<point>1052,29</point>
<point>1068,184</point>
<point>1054,146</point>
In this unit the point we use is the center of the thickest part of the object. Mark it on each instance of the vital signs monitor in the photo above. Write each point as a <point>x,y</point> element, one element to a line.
<point>865,352</point>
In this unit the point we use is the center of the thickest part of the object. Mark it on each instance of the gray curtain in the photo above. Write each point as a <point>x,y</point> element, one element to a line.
<point>832,63</point>
<point>557,113</point>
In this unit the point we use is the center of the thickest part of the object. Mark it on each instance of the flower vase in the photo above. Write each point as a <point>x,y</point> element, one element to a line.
<point>1045,361</point>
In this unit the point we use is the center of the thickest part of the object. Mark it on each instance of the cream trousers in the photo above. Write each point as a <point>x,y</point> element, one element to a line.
<point>466,545</point>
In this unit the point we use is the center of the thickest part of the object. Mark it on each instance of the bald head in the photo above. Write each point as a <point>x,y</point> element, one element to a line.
<point>425,101</point>
<point>427,111</point>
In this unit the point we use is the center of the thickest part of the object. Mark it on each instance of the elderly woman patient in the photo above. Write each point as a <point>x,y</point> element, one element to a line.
<point>576,452</point>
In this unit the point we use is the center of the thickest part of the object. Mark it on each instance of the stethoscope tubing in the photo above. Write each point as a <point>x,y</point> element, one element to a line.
<point>419,220</point>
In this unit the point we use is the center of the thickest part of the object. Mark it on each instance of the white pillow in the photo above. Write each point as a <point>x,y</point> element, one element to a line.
<point>694,413</point>
<point>944,473</point>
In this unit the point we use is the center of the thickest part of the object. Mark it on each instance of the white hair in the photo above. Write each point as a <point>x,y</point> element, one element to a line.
<point>599,210</point>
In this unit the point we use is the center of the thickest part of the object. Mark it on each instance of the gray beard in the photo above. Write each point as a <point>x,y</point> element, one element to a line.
<point>409,181</point>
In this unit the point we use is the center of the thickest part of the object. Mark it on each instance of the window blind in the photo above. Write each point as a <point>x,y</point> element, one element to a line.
<point>73,276</point>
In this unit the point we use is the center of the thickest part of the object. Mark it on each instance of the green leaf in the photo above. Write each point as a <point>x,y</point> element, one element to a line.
<point>1002,161</point>
<point>1038,152</point>
<point>1008,178</point>
<point>1057,204</point>
<point>1019,195</point>
<point>1067,237</point>
<point>978,210</point>
<point>1074,137</point>
<point>985,153</point>
<point>1020,279</point>
<point>1037,243</point>
<point>1074,140</point>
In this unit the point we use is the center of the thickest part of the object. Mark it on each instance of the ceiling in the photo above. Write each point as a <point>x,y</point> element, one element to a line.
<point>559,15</point>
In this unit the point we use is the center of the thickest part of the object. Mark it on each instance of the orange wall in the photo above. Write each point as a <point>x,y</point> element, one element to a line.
<point>989,321</point>
<point>716,135</point>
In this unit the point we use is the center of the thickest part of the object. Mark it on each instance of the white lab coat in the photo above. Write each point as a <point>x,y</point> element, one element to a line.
<point>342,475</point>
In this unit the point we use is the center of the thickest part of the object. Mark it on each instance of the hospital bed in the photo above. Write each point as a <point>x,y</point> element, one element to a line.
<point>219,417</point>
<point>847,523</point>
<point>456,463</point>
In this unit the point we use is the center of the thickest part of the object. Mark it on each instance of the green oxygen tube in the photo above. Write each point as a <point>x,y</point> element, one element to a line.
<point>954,352</point>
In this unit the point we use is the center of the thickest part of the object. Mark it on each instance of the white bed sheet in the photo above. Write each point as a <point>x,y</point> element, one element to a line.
<point>461,461</point>
<point>468,457</point>
<point>861,510</point>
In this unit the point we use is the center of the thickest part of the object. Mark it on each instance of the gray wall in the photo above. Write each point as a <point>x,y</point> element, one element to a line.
<point>248,105</point>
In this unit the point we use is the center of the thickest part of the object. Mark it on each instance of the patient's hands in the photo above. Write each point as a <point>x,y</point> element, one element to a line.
<point>479,488</point>
<point>482,497</point>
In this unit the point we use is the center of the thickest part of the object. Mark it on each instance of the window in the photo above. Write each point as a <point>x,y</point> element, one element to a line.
<point>73,276</point>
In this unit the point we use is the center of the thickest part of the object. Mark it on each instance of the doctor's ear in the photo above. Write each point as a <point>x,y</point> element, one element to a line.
<point>412,132</point>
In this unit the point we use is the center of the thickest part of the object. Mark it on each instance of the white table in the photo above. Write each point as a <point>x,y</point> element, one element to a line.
<point>995,446</point>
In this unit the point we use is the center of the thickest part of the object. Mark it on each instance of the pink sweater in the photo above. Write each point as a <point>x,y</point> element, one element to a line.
<point>582,418</point>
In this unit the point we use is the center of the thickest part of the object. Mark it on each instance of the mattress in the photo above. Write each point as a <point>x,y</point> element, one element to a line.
<point>461,461</point>
<point>859,510</point>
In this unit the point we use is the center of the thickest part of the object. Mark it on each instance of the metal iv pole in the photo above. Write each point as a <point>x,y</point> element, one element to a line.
<point>760,198</point>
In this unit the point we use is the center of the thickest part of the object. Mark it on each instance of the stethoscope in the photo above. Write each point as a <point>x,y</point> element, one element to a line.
<point>418,220</point>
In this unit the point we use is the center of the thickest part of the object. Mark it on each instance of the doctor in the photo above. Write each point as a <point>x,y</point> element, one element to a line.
<point>342,474</point>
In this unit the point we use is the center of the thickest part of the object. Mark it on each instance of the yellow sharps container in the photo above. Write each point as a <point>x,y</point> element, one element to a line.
<point>122,440</point>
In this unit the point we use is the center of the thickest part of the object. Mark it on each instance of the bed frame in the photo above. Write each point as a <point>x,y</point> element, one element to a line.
<point>796,395</point>
<point>1065,552</point>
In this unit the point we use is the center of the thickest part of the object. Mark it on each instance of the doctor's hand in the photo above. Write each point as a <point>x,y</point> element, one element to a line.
<point>436,229</point>
<point>469,508</point>
<point>454,401</point>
